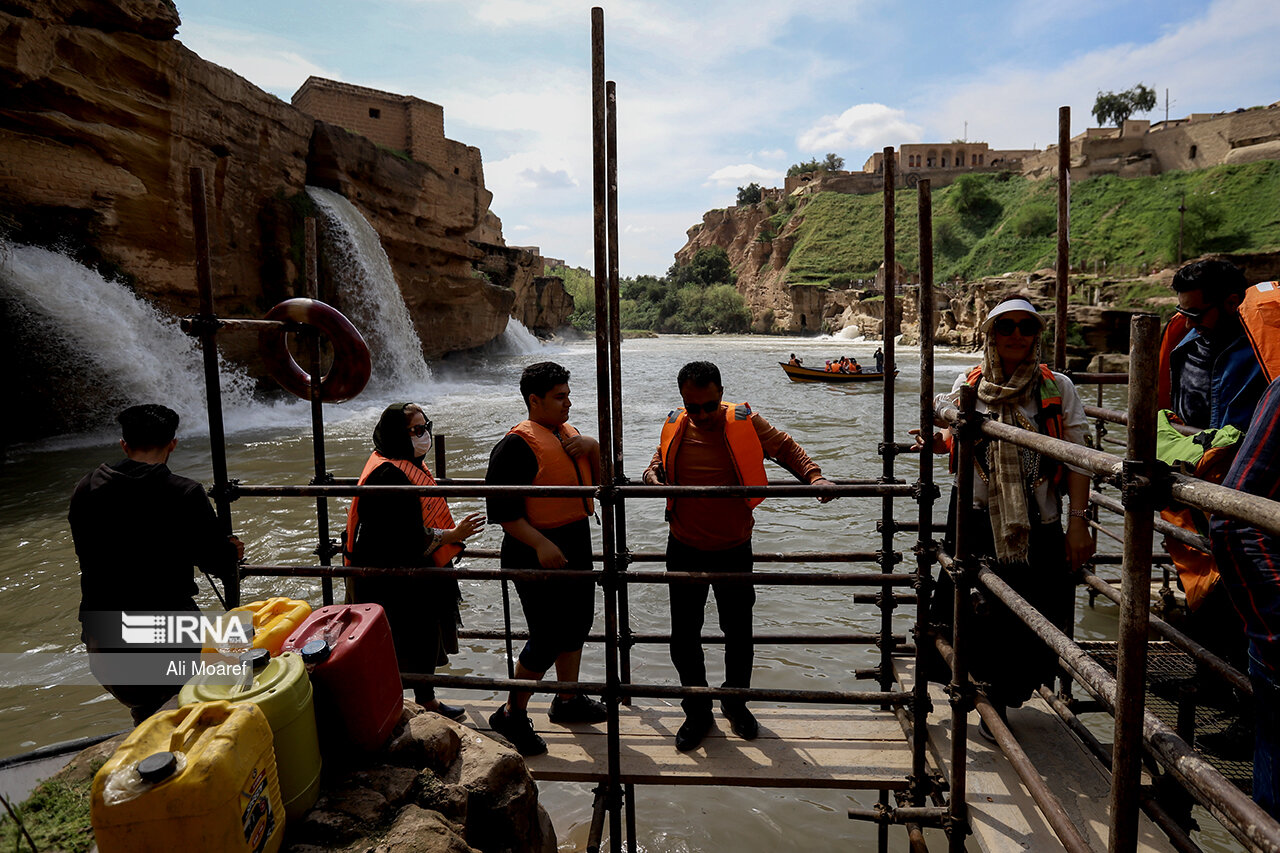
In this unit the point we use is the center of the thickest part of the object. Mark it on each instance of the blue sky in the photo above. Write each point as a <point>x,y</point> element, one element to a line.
<point>713,95</point>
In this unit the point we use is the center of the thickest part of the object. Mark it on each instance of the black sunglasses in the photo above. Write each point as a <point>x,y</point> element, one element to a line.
<point>696,408</point>
<point>1029,327</point>
<point>420,430</point>
<point>1194,315</point>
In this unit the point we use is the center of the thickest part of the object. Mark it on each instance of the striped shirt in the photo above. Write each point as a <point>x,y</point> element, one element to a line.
<point>1249,558</point>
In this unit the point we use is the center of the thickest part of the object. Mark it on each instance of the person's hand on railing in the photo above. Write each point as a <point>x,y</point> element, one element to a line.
<point>1080,544</point>
<point>940,446</point>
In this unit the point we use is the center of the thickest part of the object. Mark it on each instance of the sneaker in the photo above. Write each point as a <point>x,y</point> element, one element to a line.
<point>693,731</point>
<point>578,709</point>
<point>742,721</point>
<point>985,732</point>
<point>516,728</point>
<point>453,712</point>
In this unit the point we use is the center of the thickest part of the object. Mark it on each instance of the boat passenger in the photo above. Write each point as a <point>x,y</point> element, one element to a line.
<point>139,529</point>
<point>711,443</point>
<point>396,530</point>
<point>854,367</point>
<point>879,357</point>
<point>794,362</point>
<point>547,533</point>
<point>1017,497</point>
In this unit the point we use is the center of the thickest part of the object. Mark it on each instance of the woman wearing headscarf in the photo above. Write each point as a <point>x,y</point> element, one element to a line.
<point>1017,505</point>
<point>409,530</point>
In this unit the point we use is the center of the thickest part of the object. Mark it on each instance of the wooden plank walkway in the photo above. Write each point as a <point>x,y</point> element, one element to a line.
<point>800,746</point>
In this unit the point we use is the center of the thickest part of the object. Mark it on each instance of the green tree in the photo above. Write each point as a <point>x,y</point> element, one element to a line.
<point>1115,107</point>
<point>709,266</point>
<point>750,194</point>
<point>833,162</point>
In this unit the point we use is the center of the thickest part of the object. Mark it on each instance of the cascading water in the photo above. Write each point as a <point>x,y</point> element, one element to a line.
<point>516,340</point>
<point>368,293</point>
<point>117,348</point>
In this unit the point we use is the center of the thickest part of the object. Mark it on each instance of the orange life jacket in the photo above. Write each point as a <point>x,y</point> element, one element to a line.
<point>1174,331</point>
<point>555,468</point>
<point>1260,315</point>
<point>435,510</point>
<point>745,450</point>
<point>1050,419</point>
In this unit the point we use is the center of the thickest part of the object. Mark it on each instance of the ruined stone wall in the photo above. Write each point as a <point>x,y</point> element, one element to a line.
<point>380,116</point>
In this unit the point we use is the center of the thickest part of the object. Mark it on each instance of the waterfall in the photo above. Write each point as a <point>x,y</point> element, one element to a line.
<point>368,293</point>
<point>97,347</point>
<point>516,340</point>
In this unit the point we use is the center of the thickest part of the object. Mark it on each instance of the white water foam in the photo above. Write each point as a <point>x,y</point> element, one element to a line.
<point>516,340</point>
<point>140,352</point>
<point>368,294</point>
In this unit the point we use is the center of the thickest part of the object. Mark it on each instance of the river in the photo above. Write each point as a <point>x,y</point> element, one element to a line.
<point>473,401</point>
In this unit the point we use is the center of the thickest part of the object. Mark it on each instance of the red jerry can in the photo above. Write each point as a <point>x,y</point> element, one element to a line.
<point>348,651</point>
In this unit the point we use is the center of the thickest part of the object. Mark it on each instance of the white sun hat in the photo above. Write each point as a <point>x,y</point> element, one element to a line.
<point>1008,306</point>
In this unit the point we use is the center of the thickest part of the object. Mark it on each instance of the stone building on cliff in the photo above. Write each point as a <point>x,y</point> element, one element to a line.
<point>414,128</point>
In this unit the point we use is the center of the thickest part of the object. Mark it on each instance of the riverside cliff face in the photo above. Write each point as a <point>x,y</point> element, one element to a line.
<point>105,113</point>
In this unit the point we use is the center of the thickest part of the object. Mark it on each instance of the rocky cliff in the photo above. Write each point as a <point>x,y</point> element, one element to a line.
<point>105,112</point>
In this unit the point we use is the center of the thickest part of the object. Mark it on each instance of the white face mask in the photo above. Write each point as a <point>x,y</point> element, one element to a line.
<point>421,444</point>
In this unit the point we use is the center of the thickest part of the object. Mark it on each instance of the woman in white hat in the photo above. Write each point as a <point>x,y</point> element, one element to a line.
<point>1017,495</point>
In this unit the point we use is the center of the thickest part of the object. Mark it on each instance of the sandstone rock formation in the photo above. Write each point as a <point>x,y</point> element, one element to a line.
<point>105,113</point>
<point>542,304</point>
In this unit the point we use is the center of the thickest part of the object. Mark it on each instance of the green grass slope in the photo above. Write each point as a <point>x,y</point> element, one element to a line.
<point>993,223</point>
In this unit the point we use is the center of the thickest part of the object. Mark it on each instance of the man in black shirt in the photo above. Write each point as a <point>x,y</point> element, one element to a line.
<point>138,531</point>
<point>548,533</point>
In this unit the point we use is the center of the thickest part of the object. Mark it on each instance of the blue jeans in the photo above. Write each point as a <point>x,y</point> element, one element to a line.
<point>1266,745</point>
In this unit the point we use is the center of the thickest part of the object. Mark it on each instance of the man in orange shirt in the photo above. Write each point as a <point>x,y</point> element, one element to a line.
<point>712,443</point>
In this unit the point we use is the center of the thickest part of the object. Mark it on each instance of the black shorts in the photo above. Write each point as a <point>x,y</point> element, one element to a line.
<point>559,613</point>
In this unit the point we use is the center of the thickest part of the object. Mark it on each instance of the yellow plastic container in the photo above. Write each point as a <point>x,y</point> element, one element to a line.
<point>203,776</point>
<point>274,620</point>
<point>282,689</point>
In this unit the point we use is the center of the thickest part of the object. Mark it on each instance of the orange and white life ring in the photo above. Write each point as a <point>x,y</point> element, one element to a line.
<point>351,363</point>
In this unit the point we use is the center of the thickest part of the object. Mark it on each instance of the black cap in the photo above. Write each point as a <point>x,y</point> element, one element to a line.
<point>256,658</point>
<point>316,651</point>
<point>157,767</point>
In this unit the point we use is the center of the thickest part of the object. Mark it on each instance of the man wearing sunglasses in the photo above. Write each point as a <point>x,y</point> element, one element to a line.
<point>713,443</point>
<point>1215,378</point>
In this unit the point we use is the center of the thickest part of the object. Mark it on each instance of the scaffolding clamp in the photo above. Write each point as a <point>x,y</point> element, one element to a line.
<point>200,324</point>
<point>895,557</point>
<point>230,492</point>
<point>921,491</point>
<point>325,479</point>
<point>1145,486</point>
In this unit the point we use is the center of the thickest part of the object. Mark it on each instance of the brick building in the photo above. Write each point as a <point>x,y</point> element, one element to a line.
<point>400,122</point>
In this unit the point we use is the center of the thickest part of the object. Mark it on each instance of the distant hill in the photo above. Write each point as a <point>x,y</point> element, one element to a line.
<point>989,224</point>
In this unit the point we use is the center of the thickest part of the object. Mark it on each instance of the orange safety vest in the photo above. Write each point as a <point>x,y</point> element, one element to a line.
<point>1050,419</point>
<point>745,450</point>
<point>1260,315</point>
<point>555,468</point>
<point>1174,331</point>
<point>435,510</point>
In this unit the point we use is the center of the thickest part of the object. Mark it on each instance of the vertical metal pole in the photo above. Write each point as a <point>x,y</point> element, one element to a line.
<point>924,539</point>
<point>886,504</point>
<point>1135,589</point>
<point>1064,237</point>
<point>323,550</point>
<point>621,653</point>
<point>212,381</point>
<point>600,195</point>
<point>961,696</point>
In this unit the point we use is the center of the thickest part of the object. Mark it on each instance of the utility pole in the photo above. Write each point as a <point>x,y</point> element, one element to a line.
<point>1166,112</point>
<point>1182,210</point>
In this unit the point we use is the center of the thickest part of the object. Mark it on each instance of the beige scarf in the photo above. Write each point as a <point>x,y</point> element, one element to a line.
<point>1007,490</point>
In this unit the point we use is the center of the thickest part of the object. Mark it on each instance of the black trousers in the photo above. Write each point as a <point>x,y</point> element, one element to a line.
<point>1003,652</point>
<point>688,609</point>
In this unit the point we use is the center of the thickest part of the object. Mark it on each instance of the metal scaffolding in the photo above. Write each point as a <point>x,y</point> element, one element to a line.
<point>932,796</point>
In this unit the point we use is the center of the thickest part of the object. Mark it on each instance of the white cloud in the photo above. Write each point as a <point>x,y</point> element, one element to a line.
<point>861,126</point>
<point>771,154</point>
<point>269,62</point>
<point>543,178</point>
<point>733,176</point>
<point>1199,61</point>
